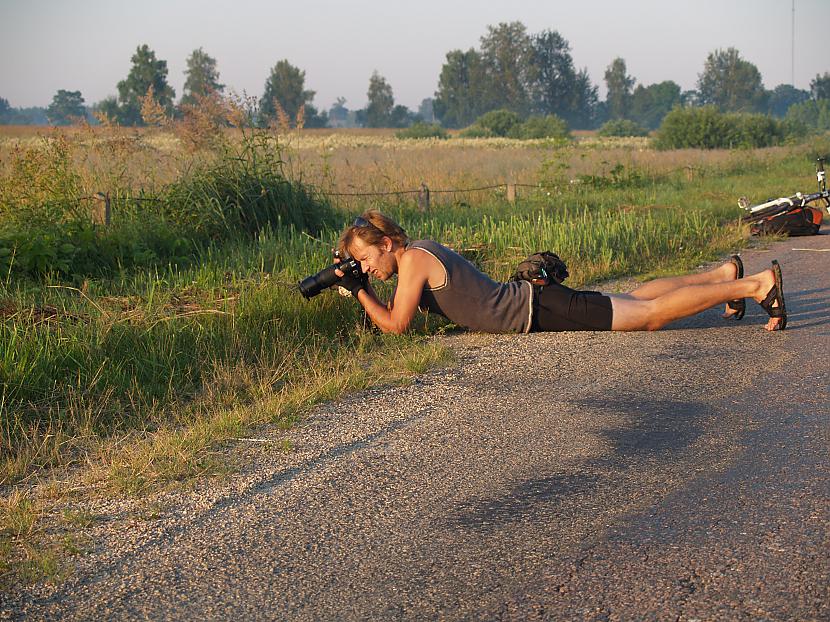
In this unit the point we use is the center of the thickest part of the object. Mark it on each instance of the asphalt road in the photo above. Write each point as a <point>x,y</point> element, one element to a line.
<point>677,475</point>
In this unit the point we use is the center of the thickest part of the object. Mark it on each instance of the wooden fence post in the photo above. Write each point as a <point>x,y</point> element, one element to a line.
<point>511,193</point>
<point>101,212</point>
<point>423,198</point>
<point>690,173</point>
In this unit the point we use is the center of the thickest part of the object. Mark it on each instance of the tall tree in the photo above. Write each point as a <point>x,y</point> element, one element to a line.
<point>401,116</point>
<point>202,77</point>
<point>585,107</point>
<point>459,99</point>
<point>782,97</point>
<point>507,52</point>
<point>820,86</point>
<point>338,113</point>
<point>145,72</point>
<point>67,107</point>
<point>619,85</point>
<point>107,110</point>
<point>5,110</point>
<point>554,86</point>
<point>731,83</point>
<point>381,102</point>
<point>286,84</point>
<point>649,104</point>
<point>426,110</point>
<point>552,78</point>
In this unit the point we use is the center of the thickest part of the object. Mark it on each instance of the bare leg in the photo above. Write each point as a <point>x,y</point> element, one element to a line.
<point>660,287</point>
<point>632,314</point>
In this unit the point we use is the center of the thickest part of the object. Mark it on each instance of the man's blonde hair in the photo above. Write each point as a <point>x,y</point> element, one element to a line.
<point>378,226</point>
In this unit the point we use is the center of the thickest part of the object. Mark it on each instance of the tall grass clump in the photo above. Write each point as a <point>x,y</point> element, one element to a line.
<point>239,190</point>
<point>245,191</point>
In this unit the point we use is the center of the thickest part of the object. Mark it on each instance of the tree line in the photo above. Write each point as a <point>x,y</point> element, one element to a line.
<point>527,74</point>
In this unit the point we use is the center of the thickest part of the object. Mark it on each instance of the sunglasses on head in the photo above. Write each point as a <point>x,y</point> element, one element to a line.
<point>360,221</point>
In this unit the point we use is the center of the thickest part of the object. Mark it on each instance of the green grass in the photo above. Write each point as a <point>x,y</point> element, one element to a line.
<point>156,349</point>
<point>141,371</point>
<point>178,357</point>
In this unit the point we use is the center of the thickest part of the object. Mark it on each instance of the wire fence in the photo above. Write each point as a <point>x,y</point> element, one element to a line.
<point>104,201</point>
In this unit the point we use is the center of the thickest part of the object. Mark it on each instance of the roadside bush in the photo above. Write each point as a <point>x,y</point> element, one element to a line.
<point>707,128</point>
<point>548,126</point>
<point>46,226</point>
<point>622,127</point>
<point>420,129</point>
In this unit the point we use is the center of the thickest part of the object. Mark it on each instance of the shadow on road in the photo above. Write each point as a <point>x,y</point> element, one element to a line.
<point>646,431</point>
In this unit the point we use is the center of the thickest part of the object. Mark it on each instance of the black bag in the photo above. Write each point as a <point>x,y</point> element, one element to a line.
<point>794,222</point>
<point>541,269</point>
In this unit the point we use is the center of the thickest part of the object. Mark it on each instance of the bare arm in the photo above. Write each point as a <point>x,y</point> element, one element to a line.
<point>413,272</point>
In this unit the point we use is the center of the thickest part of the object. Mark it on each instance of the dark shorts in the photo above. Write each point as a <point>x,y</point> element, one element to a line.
<point>558,308</point>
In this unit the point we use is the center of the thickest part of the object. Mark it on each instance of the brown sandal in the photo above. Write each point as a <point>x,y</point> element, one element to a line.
<point>739,304</point>
<point>776,294</point>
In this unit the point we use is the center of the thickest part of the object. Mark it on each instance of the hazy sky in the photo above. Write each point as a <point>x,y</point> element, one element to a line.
<point>86,45</point>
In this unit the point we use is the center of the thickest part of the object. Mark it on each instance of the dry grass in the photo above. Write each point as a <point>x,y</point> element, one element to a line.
<point>361,160</point>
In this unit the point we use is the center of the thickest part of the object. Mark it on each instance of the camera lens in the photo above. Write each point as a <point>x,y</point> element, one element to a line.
<point>316,283</point>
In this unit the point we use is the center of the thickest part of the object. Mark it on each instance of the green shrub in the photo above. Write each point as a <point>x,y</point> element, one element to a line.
<point>504,123</point>
<point>622,127</point>
<point>691,127</point>
<point>548,126</point>
<point>617,177</point>
<point>753,130</point>
<point>77,248</point>
<point>813,114</point>
<point>422,130</point>
<point>707,128</point>
<point>499,122</point>
<point>476,131</point>
<point>242,197</point>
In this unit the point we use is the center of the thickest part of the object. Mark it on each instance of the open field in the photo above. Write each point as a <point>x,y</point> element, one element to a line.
<point>123,363</point>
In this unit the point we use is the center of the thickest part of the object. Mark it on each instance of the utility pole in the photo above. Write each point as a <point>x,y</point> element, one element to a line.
<point>792,53</point>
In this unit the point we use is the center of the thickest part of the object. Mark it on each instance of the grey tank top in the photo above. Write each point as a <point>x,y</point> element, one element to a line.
<point>472,299</point>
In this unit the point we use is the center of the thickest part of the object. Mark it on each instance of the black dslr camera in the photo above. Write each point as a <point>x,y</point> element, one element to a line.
<point>316,283</point>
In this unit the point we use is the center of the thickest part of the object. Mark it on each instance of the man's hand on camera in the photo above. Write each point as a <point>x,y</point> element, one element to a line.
<point>348,282</point>
<point>353,283</point>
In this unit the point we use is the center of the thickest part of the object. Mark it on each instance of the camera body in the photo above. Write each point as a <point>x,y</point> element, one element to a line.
<point>316,283</point>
